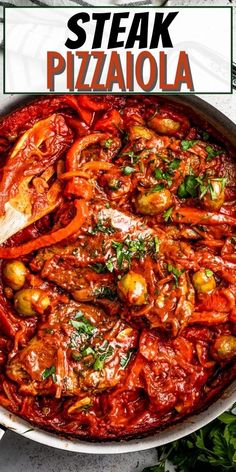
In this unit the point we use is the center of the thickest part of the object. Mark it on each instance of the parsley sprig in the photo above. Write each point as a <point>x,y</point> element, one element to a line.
<point>211,449</point>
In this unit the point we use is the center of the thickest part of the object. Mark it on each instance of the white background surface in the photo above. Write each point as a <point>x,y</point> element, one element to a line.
<point>18,454</point>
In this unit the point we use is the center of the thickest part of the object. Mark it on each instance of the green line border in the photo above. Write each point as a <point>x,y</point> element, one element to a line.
<point>116,8</point>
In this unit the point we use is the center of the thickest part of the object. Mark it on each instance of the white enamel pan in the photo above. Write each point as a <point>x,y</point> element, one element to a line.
<point>227,128</point>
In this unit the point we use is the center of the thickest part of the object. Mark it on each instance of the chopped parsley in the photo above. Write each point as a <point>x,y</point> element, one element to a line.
<point>133,157</point>
<point>102,226</point>
<point>134,248</point>
<point>207,186</point>
<point>204,188</point>
<point>50,372</point>
<point>157,188</point>
<point>98,364</point>
<point>176,273</point>
<point>156,244</point>
<point>167,214</point>
<point>187,144</point>
<point>160,175</point>
<point>211,153</point>
<point>174,164</point>
<point>192,186</point>
<point>76,356</point>
<point>109,265</point>
<point>105,292</point>
<point>128,249</point>
<point>99,355</point>
<point>114,184</point>
<point>189,187</point>
<point>99,268</point>
<point>127,170</point>
<point>124,360</point>
<point>205,136</point>
<point>100,358</point>
<point>82,325</point>
<point>88,351</point>
<point>108,143</point>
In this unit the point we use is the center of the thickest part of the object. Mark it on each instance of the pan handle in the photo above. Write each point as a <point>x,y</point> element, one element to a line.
<point>2,431</point>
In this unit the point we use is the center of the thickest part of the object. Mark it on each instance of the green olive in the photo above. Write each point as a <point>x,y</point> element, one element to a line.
<point>14,274</point>
<point>153,202</point>
<point>204,281</point>
<point>224,348</point>
<point>163,125</point>
<point>215,195</point>
<point>138,131</point>
<point>30,301</point>
<point>133,288</point>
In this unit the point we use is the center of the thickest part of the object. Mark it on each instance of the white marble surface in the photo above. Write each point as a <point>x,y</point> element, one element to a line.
<point>19,454</point>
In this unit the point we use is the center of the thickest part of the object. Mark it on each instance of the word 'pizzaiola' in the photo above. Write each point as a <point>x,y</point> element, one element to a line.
<point>110,50</point>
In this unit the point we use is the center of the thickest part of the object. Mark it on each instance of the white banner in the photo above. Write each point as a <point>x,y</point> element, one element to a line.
<point>68,50</point>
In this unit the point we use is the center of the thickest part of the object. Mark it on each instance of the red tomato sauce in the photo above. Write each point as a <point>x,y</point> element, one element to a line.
<point>118,286</point>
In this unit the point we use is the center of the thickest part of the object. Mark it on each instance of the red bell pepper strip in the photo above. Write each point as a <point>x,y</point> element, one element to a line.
<point>73,155</point>
<point>51,238</point>
<point>195,216</point>
<point>86,115</point>
<point>79,187</point>
<point>208,318</point>
<point>111,122</point>
<point>17,122</point>
<point>89,103</point>
<point>79,127</point>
